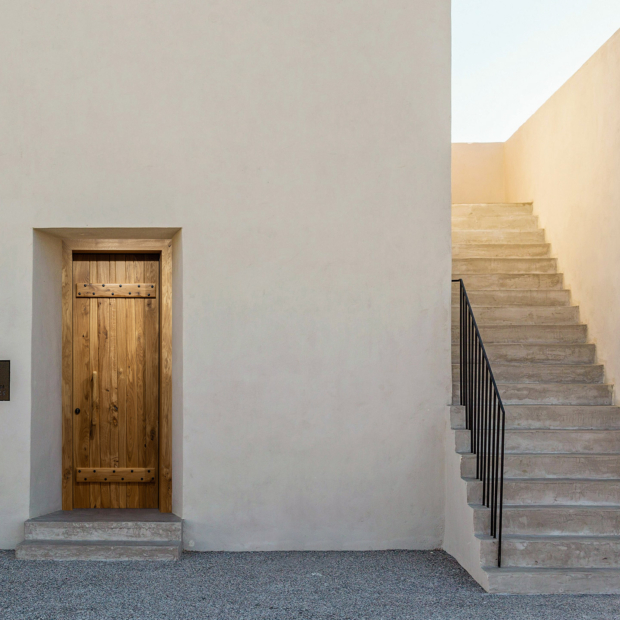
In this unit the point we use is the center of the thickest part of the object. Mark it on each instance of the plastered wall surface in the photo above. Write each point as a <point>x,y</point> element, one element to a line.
<point>566,158</point>
<point>478,173</point>
<point>304,151</point>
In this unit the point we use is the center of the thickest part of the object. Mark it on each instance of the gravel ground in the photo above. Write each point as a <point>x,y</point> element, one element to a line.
<point>381,585</point>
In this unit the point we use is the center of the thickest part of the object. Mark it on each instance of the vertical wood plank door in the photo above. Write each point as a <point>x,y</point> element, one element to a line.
<point>116,351</point>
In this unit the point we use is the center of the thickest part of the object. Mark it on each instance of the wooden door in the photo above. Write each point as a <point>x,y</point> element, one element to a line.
<point>116,299</point>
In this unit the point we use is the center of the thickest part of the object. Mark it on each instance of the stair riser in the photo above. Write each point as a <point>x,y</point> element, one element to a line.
<point>551,466</point>
<point>566,582</point>
<point>501,250</point>
<point>505,265</point>
<point>549,394</point>
<point>553,521</point>
<point>553,553</point>
<point>537,315</point>
<point>554,281</point>
<point>529,334</point>
<point>537,297</point>
<point>545,442</point>
<point>536,353</point>
<point>465,210</point>
<point>83,551</point>
<point>518,223</point>
<point>551,417</point>
<point>141,531</point>
<point>540,373</point>
<point>460,237</point>
<point>550,492</point>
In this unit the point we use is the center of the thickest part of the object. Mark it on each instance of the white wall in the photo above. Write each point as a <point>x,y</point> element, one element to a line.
<point>304,149</point>
<point>566,159</point>
<point>478,174</point>
<point>46,415</point>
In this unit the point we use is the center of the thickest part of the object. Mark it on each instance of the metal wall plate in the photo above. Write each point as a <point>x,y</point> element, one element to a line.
<point>5,380</point>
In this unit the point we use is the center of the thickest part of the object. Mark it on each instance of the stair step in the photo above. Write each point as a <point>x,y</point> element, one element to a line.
<point>552,441</point>
<point>551,417</point>
<point>582,466</point>
<point>535,353</point>
<point>502,222</point>
<point>504,265</point>
<point>541,373</point>
<point>501,250</point>
<point>556,393</point>
<point>461,237</point>
<point>463,210</point>
<point>550,491</point>
<point>512,315</point>
<point>100,525</point>
<point>97,550</point>
<point>553,580</point>
<point>553,551</point>
<point>512,281</point>
<point>530,334</point>
<point>515,297</point>
<point>552,520</point>
<point>550,393</point>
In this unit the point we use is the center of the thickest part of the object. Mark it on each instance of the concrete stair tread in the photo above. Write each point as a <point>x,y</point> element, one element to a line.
<point>558,507</point>
<point>108,515</point>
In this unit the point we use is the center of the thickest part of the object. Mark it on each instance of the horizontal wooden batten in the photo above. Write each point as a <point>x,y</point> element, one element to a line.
<point>116,474</point>
<point>94,289</point>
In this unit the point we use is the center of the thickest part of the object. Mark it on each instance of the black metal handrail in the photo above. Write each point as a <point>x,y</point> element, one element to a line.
<point>485,415</point>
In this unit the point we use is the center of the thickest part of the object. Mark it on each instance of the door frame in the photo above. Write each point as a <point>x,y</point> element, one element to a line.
<point>163,247</point>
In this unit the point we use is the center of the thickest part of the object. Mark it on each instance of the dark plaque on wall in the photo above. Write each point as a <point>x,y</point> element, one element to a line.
<point>5,380</point>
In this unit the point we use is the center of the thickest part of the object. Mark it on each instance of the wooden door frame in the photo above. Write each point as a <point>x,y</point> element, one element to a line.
<point>163,247</point>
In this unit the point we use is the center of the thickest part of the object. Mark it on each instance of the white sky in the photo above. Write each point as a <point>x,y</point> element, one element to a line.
<point>510,56</point>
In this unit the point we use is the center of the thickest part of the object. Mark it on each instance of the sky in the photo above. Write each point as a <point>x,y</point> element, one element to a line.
<point>510,56</point>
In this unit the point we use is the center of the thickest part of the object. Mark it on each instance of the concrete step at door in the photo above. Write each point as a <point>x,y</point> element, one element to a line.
<point>514,315</point>
<point>541,373</point>
<point>599,466</point>
<point>501,250</point>
<point>465,210</point>
<point>536,353</point>
<point>553,551</point>
<point>519,580</point>
<point>551,417</point>
<point>461,236</point>
<point>495,222</point>
<point>514,297</point>
<point>529,334</point>
<point>504,265</point>
<point>120,525</point>
<point>552,441</point>
<point>550,491</point>
<point>494,281</point>
<point>97,550</point>
<point>553,520</point>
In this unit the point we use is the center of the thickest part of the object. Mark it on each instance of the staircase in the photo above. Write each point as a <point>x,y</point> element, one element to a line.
<point>102,534</point>
<point>561,523</point>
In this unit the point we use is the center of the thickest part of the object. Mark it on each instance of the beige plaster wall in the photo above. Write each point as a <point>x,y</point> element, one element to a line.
<point>304,151</point>
<point>566,159</point>
<point>478,173</point>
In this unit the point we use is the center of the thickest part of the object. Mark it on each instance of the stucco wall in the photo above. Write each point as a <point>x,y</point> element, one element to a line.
<point>478,173</point>
<point>566,158</point>
<point>304,150</point>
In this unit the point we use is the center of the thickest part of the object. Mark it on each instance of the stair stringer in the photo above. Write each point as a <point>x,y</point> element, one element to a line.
<point>460,539</point>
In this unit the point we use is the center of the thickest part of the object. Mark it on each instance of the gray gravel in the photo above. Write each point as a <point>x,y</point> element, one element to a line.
<point>382,585</point>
